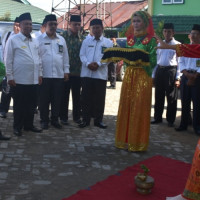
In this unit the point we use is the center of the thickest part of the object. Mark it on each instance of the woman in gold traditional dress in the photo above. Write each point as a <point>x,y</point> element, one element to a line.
<point>133,122</point>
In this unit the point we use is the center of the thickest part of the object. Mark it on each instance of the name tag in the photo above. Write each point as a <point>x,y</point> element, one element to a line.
<point>60,47</point>
<point>46,43</point>
<point>103,49</point>
<point>198,63</point>
<point>23,47</point>
<point>90,46</point>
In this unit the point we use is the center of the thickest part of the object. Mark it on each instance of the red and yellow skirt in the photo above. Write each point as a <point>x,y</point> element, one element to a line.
<point>192,188</point>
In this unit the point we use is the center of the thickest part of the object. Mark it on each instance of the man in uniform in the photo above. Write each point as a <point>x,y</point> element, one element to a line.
<point>6,95</point>
<point>55,65</point>
<point>94,75</point>
<point>74,40</point>
<point>36,35</point>
<point>190,86</point>
<point>166,79</point>
<point>23,74</point>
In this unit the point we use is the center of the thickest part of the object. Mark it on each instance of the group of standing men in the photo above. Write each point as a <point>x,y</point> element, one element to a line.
<point>54,65</point>
<point>59,64</point>
<point>170,74</point>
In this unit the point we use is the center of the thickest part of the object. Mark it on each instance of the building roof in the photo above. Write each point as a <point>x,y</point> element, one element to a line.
<point>17,7</point>
<point>182,24</point>
<point>23,1</point>
<point>120,13</point>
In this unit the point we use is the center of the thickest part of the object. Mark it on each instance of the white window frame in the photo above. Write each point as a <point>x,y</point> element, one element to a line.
<point>181,2</point>
<point>164,2</point>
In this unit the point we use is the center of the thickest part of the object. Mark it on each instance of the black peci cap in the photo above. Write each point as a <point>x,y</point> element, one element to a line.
<point>75,18</point>
<point>44,22</point>
<point>17,19</point>
<point>196,27</point>
<point>168,26</point>
<point>96,22</point>
<point>25,16</point>
<point>48,18</point>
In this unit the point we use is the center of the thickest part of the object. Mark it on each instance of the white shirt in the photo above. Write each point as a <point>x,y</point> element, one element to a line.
<point>186,63</point>
<point>54,56</point>
<point>88,36</point>
<point>92,51</point>
<point>4,42</point>
<point>36,34</point>
<point>167,57</point>
<point>22,60</point>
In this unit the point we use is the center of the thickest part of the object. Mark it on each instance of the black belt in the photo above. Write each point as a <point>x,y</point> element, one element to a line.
<point>167,67</point>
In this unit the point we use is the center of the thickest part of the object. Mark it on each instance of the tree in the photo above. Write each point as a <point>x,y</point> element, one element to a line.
<point>6,17</point>
<point>159,29</point>
<point>122,33</point>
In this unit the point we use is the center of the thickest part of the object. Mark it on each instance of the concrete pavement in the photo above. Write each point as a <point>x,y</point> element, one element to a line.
<point>57,163</point>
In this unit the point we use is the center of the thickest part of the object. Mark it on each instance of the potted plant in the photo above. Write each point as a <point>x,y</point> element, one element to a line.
<point>143,182</point>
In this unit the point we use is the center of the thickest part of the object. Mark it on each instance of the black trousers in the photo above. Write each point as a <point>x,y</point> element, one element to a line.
<point>112,73</point>
<point>50,93</point>
<point>5,96</point>
<point>74,84</point>
<point>93,99</point>
<point>188,94</point>
<point>37,105</point>
<point>5,102</point>
<point>165,85</point>
<point>24,97</point>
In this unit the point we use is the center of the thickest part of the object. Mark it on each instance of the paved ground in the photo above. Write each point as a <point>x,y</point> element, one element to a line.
<point>57,163</point>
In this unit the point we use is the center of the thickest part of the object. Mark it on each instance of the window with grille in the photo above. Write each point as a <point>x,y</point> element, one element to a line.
<point>172,1</point>
<point>178,1</point>
<point>166,1</point>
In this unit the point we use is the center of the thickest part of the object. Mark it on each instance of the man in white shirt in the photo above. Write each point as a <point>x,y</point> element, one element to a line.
<point>16,29</point>
<point>55,65</point>
<point>36,35</point>
<point>23,74</point>
<point>94,75</point>
<point>166,79</point>
<point>40,32</point>
<point>6,95</point>
<point>190,86</point>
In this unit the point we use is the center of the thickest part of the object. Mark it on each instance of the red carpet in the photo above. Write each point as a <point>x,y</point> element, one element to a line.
<point>170,178</point>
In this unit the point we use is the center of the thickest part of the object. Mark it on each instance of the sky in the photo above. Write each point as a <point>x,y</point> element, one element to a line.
<point>47,4</point>
<point>44,4</point>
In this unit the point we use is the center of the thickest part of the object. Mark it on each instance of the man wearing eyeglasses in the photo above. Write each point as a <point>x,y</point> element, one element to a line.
<point>55,65</point>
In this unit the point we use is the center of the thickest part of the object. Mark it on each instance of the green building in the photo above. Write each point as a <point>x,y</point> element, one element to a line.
<point>182,13</point>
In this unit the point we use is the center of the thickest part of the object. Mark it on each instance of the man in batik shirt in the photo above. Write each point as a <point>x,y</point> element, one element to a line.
<point>74,40</point>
